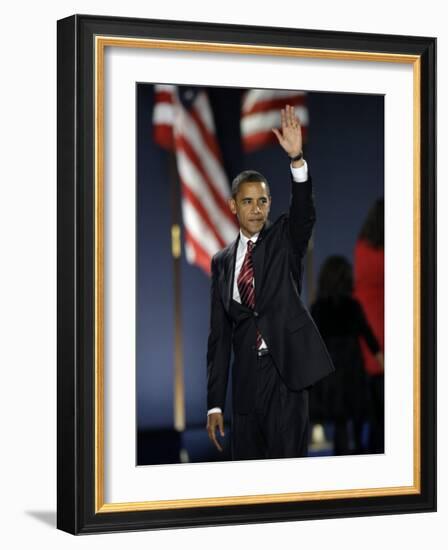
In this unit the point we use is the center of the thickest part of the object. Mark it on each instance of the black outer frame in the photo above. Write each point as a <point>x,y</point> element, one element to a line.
<point>75,271</point>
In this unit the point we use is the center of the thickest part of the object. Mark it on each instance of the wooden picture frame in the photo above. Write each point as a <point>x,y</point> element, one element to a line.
<point>82,42</point>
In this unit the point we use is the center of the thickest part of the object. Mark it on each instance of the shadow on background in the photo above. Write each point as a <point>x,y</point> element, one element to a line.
<point>48,517</point>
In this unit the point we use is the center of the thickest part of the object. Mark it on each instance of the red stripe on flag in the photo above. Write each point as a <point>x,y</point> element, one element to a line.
<point>163,136</point>
<point>175,127</point>
<point>202,258</point>
<point>199,207</point>
<point>163,96</point>
<point>208,138</point>
<point>273,104</point>
<point>183,144</point>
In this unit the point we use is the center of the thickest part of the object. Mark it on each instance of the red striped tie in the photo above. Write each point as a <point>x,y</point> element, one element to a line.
<point>246,283</point>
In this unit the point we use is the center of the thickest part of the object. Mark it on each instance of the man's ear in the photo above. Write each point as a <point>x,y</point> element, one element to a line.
<point>232,205</point>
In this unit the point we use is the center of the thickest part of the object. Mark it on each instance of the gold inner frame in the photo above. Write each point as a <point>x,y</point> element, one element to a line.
<point>101,42</point>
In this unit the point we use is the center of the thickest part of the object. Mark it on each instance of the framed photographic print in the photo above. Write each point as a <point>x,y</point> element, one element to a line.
<point>186,395</point>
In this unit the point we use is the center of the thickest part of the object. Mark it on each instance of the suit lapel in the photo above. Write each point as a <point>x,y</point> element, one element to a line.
<point>258,260</point>
<point>229,271</point>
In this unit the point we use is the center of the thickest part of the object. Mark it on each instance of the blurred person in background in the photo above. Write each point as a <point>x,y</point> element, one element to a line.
<point>342,397</point>
<point>369,290</point>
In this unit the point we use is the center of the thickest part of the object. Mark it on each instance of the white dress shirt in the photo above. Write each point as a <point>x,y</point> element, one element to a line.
<point>240,255</point>
<point>298,175</point>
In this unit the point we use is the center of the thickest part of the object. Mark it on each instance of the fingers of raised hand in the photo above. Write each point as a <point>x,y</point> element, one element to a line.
<point>291,117</point>
<point>283,118</point>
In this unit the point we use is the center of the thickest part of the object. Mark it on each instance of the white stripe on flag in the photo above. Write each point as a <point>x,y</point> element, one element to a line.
<point>186,126</point>
<point>255,96</point>
<point>163,113</point>
<point>202,107</point>
<point>199,229</point>
<point>266,120</point>
<point>195,182</point>
<point>190,253</point>
<point>171,88</point>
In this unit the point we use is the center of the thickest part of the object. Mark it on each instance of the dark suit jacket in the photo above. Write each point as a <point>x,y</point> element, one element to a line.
<point>292,337</point>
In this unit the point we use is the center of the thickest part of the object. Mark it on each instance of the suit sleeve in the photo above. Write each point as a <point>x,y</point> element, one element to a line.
<point>302,216</point>
<point>219,346</point>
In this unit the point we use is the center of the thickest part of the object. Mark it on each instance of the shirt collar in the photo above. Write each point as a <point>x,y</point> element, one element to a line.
<point>244,239</point>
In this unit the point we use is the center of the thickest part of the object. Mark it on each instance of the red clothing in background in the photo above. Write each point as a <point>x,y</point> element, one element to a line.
<point>369,290</point>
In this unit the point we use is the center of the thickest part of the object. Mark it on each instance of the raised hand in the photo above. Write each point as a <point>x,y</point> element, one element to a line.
<point>290,137</point>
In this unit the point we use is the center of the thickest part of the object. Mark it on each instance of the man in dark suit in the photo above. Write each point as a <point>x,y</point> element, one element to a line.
<point>256,307</point>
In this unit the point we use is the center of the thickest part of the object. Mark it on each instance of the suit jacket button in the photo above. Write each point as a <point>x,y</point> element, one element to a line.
<point>255,313</point>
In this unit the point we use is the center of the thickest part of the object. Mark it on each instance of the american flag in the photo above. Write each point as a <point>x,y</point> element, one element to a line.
<point>260,112</point>
<point>183,122</point>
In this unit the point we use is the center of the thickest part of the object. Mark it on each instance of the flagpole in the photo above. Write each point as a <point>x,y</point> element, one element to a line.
<point>176,250</point>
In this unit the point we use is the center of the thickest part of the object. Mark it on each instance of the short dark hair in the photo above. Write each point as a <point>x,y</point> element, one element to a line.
<point>372,229</point>
<point>335,278</point>
<point>248,176</point>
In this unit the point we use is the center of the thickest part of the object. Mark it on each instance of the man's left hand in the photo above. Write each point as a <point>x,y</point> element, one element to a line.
<point>290,138</point>
<point>215,421</point>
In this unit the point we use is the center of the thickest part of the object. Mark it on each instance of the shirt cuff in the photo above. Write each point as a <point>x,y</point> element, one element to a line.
<point>300,174</point>
<point>214,410</point>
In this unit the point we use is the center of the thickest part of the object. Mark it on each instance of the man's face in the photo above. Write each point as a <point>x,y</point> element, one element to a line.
<point>251,206</point>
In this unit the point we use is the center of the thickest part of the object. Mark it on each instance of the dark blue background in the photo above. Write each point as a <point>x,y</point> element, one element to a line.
<point>345,153</point>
